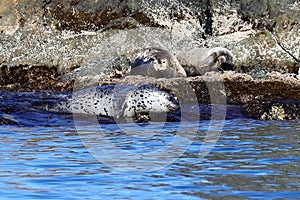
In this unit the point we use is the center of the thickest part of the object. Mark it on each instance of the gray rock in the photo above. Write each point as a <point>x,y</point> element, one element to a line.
<point>95,15</point>
<point>114,67</point>
<point>67,34</point>
<point>265,8</point>
<point>8,17</point>
<point>286,33</point>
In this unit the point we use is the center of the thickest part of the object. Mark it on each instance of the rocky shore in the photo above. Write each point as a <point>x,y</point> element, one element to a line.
<point>66,45</point>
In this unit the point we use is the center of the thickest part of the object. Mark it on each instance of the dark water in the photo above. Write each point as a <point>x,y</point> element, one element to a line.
<point>49,156</point>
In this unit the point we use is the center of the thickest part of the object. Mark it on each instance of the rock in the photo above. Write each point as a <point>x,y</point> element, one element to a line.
<point>121,23</point>
<point>271,8</point>
<point>264,51</point>
<point>114,67</point>
<point>94,15</point>
<point>286,32</point>
<point>41,41</point>
<point>32,78</point>
<point>256,96</point>
<point>275,113</point>
<point>8,17</point>
<point>284,110</point>
<point>61,34</point>
<point>267,41</point>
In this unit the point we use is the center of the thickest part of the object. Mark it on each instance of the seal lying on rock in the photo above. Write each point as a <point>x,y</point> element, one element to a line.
<point>158,63</point>
<point>117,101</point>
<point>198,61</point>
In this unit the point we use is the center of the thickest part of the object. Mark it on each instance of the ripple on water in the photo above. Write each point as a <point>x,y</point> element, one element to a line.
<point>47,159</point>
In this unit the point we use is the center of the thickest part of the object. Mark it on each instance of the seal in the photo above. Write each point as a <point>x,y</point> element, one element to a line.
<point>117,101</point>
<point>198,61</point>
<point>157,63</point>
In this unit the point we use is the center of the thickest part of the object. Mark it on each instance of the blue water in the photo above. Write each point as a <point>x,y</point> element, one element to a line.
<point>50,156</point>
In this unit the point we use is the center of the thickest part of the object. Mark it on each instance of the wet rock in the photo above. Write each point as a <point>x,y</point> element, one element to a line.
<point>284,110</point>
<point>29,78</point>
<point>257,96</point>
<point>275,113</point>
<point>8,120</point>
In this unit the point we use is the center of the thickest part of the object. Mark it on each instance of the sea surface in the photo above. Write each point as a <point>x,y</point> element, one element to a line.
<point>58,156</point>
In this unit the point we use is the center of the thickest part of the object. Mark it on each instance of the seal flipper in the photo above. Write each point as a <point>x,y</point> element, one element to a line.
<point>51,106</point>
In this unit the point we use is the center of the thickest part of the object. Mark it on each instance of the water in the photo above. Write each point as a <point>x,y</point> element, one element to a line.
<point>45,156</point>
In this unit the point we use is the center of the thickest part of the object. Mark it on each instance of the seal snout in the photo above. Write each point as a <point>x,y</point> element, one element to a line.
<point>173,104</point>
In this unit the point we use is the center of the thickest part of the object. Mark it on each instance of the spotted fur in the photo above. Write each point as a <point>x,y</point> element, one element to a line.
<point>118,101</point>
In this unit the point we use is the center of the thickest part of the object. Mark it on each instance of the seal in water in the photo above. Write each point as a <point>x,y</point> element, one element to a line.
<point>198,61</point>
<point>157,63</point>
<point>117,101</point>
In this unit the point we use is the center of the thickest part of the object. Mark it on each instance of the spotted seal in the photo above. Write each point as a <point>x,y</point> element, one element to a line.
<point>157,62</point>
<point>198,61</point>
<point>117,101</point>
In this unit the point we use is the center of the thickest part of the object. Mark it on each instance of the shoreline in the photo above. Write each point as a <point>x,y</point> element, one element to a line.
<point>276,97</point>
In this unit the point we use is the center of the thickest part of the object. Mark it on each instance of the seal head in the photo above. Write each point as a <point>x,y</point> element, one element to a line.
<point>146,99</point>
<point>158,63</point>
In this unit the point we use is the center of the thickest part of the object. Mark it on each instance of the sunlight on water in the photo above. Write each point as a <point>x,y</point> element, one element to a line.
<point>251,159</point>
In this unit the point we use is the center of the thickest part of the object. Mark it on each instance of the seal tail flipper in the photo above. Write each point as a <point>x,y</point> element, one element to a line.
<point>51,106</point>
